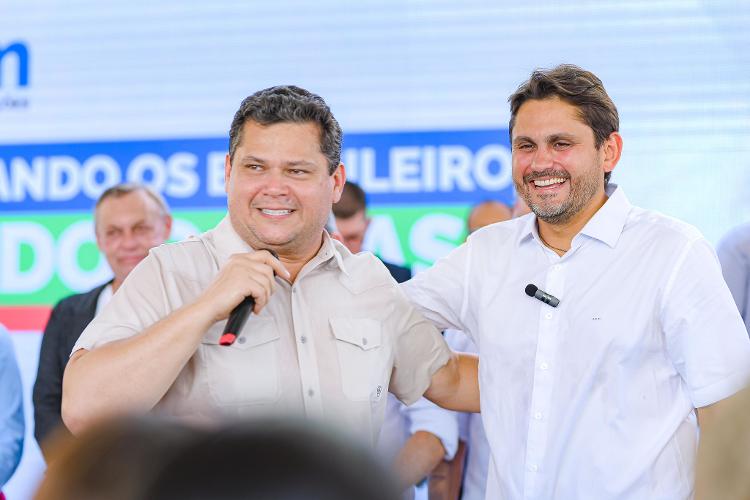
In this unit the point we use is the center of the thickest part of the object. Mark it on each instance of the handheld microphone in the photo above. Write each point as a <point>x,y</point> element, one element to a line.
<point>534,291</point>
<point>239,315</point>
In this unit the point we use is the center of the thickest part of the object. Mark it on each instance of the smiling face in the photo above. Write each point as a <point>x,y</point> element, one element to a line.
<point>279,189</point>
<point>557,168</point>
<point>126,228</point>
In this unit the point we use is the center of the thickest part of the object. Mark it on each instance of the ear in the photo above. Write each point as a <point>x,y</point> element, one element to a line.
<point>99,241</point>
<point>339,179</point>
<point>227,171</point>
<point>167,227</point>
<point>612,149</point>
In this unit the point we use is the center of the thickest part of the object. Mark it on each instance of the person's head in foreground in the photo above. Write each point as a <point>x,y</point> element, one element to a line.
<point>147,459</point>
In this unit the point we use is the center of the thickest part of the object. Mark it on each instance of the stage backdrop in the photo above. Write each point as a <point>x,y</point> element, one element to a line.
<point>94,93</point>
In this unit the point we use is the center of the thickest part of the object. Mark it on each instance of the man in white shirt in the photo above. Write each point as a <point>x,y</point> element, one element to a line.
<point>598,396</point>
<point>331,332</point>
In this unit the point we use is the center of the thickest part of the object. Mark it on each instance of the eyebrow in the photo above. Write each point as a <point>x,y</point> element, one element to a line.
<point>294,163</point>
<point>548,139</point>
<point>251,159</point>
<point>561,136</point>
<point>522,138</point>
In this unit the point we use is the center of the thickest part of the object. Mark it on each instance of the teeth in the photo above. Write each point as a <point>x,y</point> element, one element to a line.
<point>548,182</point>
<point>268,211</point>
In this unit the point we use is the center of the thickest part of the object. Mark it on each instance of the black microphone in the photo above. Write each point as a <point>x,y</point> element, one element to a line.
<point>534,291</point>
<point>239,315</point>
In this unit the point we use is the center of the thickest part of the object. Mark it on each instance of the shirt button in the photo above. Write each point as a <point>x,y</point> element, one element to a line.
<point>543,366</point>
<point>548,315</point>
<point>538,415</point>
<point>303,339</point>
<point>533,468</point>
<point>310,392</point>
<point>557,267</point>
<point>241,340</point>
<point>364,340</point>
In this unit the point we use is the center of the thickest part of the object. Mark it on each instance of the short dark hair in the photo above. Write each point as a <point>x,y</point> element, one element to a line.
<point>353,199</point>
<point>289,103</point>
<point>577,87</point>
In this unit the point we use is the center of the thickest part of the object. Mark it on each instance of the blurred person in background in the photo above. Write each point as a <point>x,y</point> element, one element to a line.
<point>734,254</point>
<point>486,213</point>
<point>331,332</point>
<point>147,459</point>
<point>129,220</point>
<point>414,438</point>
<point>352,222</point>
<point>12,426</point>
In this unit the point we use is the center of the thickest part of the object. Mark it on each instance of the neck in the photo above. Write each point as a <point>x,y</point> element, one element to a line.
<point>116,284</point>
<point>560,236</point>
<point>294,261</point>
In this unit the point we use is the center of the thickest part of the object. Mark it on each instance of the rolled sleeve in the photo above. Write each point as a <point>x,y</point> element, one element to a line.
<point>419,352</point>
<point>138,303</point>
<point>706,338</point>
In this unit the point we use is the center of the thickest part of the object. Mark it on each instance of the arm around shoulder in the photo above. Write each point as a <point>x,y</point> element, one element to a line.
<point>455,386</point>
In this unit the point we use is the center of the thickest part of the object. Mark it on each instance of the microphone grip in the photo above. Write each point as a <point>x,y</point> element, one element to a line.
<point>236,320</point>
<point>239,315</point>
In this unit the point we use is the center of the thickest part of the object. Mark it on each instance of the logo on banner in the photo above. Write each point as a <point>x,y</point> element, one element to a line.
<point>14,75</point>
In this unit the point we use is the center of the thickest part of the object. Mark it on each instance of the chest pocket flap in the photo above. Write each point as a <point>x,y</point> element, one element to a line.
<point>362,332</point>
<point>257,331</point>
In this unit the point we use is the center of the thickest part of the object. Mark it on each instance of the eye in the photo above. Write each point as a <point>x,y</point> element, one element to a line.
<point>141,229</point>
<point>524,146</point>
<point>297,171</point>
<point>561,145</point>
<point>254,167</point>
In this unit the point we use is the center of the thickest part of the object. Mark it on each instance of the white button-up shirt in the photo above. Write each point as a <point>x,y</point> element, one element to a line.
<point>593,399</point>
<point>329,346</point>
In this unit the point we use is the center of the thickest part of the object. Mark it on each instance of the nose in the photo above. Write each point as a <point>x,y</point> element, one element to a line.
<point>275,183</point>
<point>129,239</point>
<point>542,159</point>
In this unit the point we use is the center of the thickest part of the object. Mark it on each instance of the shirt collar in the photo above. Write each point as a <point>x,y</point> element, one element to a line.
<point>608,222</point>
<point>606,225</point>
<point>333,249</point>
<point>228,242</point>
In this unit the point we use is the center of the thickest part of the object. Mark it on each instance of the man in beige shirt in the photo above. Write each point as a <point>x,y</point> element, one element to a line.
<point>331,331</point>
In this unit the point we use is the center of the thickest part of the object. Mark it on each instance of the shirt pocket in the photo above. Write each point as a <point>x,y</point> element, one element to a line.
<point>361,357</point>
<point>246,372</point>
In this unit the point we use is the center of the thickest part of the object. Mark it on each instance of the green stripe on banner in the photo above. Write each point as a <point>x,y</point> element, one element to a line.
<point>45,257</point>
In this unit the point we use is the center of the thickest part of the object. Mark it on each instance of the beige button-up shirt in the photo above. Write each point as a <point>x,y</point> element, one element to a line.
<point>327,347</point>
